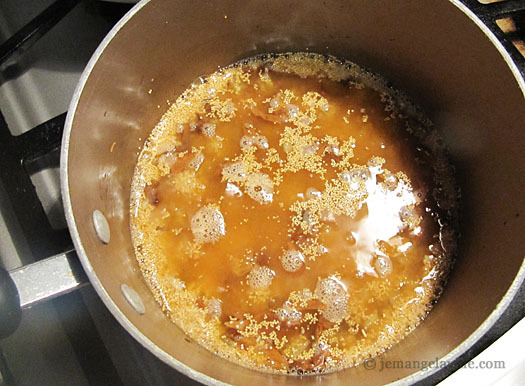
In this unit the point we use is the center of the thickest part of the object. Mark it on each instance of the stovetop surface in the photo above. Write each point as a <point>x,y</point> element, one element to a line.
<point>73,340</point>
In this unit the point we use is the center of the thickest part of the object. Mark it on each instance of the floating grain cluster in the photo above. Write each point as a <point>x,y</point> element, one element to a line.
<point>293,214</point>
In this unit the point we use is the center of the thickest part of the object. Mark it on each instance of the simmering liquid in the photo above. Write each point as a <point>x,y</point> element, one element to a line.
<point>293,214</point>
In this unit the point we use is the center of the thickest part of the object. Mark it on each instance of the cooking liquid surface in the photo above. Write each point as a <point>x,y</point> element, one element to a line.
<point>284,214</point>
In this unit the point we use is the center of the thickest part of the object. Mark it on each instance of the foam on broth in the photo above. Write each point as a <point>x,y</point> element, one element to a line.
<point>292,213</point>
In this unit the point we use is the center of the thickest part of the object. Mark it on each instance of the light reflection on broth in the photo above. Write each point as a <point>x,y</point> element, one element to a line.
<point>285,214</point>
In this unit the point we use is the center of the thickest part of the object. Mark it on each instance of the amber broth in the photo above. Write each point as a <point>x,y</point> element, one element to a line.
<point>284,215</point>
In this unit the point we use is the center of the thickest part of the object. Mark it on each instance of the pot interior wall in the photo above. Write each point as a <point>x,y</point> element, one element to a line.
<point>429,49</point>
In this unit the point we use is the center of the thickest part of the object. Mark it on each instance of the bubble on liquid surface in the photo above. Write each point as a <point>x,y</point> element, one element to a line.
<point>332,292</point>
<point>214,307</point>
<point>312,193</point>
<point>234,172</point>
<point>292,260</point>
<point>259,186</point>
<point>336,310</point>
<point>274,102</point>
<point>292,111</point>
<point>208,129</point>
<point>289,314</point>
<point>356,175</point>
<point>197,161</point>
<point>390,181</point>
<point>260,277</point>
<point>207,225</point>
<point>259,141</point>
<point>383,265</point>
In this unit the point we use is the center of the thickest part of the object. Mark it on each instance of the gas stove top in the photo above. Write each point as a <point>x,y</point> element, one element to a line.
<point>73,339</point>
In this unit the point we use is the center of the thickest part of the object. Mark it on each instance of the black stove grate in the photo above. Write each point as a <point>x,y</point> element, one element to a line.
<point>34,30</point>
<point>491,13</point>
<point>16,152</point>
<point>21,153</point>
<point>39,148</point>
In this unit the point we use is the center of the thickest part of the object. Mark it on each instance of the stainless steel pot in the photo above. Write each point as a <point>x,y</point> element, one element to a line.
<point>438,52</point>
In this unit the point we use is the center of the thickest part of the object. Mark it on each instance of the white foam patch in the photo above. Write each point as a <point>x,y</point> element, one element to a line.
<point>214,307</point>
<point>233,190</point>
<point>178,284</point>
<point>383,265</point>
<point>259,141</point>
<point>259,186</point>
<point>208,129</point>
<point>197,161</point>
<point>289,314</point>
<point>292,260</point>
<point>356,175</point>
<point>234,172</point>
<point>313,194</point>
<point>208,224</point>
<point>336,311</point>
<point>332,292</point>
<point>260,277</point>
<point>274,102</point>
<point>292,111</point>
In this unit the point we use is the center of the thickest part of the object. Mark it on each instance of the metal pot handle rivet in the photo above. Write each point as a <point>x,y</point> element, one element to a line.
<point>101,226</point>
<point>133,298</point>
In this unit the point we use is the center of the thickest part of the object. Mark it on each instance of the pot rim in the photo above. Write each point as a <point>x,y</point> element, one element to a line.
<point>146,342</point>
